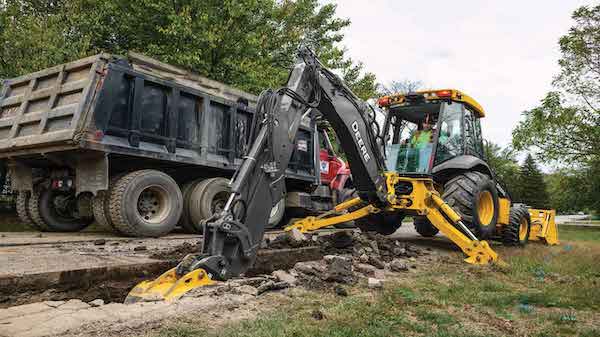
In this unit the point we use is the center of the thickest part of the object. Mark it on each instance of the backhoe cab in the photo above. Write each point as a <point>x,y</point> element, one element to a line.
<point>437,133</point>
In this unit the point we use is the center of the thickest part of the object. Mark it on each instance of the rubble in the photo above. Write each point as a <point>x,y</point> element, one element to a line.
<point>398,265</point>
<point>374,283</point>
<point>341,291</point>
<point>96,303</point>
<point>284,276</point>
<point>348,257</point>
<point>339,269</point>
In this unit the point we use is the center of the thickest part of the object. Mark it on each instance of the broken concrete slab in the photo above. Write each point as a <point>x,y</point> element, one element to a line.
<point>284,276</point>
<point>55,321</point>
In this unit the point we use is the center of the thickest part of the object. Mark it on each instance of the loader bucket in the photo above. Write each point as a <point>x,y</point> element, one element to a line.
<point>543,226</point>
<point>168,286</point>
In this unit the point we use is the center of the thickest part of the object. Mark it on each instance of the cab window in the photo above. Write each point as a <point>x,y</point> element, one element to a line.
<point>473,142</point>
<point>450,140</point>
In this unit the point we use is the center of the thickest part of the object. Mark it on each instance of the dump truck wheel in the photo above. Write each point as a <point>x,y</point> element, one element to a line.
<point>57,211</point>
<point>474,197</point>
<point>185,221</point>
<point>277,213</point>
<point>424,227</point>
<point>100,213</point>
<point>22,206</point>
<point>516,233</point>
<point>145,203</point>
<point>207,198</point>
<point>100,206</point>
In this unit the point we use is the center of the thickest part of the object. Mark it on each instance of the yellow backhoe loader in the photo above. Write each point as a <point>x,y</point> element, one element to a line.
<point>426,162</point>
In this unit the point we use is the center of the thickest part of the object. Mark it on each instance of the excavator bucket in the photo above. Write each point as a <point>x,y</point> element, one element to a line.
<point>168,286</point>
<point>543,226</point>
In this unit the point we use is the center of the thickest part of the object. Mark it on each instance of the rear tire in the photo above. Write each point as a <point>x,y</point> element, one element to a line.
<point>474,197</point>
<point>57,211</point>
<point>277,213</point>
<point>185,221</point>
<point>145,203</point>
<point>424,227</point>
<point>99,209</point>
<point>22,206</point>
<point>207,198</point>
<point>516,233</point>
<point>100,206</point>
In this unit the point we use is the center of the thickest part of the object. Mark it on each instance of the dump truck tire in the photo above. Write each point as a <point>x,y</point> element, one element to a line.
<point>22,206</point>
<point>424,227</point>
<point>45,212</point>
<point>145,203</point>
<point>100,213</point>
<point>474,197</point>
<point>185,221</point>
<point>277,213</point>
<point>516,233</point>
<point>33,207</point>
<point>100,206</point>
<point>207,198</point>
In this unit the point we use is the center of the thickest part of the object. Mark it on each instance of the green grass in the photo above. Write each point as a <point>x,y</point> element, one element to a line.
<point>572,233</point>
<point>544,291</point>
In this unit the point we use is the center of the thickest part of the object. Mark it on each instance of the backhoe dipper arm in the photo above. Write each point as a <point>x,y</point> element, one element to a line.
<point>233,237</point>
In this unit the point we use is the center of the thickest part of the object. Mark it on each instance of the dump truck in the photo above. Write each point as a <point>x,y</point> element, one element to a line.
<point>71,134</point>
<point>396,172</point>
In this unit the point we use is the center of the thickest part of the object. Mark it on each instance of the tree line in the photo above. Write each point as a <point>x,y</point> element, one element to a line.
<point>249,44</point>
<point>564,130</point>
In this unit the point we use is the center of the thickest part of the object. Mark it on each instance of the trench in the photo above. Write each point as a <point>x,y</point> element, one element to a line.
<point>112,284</point>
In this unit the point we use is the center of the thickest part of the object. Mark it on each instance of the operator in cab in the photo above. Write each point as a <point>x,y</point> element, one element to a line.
<point>421,141</point>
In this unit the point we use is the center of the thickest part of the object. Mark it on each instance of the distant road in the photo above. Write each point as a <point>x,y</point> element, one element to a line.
<point>561,219</point>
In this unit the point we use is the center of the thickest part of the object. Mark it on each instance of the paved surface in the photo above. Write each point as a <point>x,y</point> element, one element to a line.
<point>37,238</point>
<point>53,318</point>
<point>565,219</point>
<point>44,258</point>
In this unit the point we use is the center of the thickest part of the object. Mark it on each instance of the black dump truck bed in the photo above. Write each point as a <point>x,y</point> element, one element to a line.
<point>134,108</point>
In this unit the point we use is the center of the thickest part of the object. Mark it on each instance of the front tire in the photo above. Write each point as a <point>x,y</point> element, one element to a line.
<point>516,233</point>
<point>145,203</point>
<point>382,223</point>
<point>474,197</point>
<point>424,227</point>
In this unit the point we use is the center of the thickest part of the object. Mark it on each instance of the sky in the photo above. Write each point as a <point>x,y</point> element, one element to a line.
<point>502,53</point>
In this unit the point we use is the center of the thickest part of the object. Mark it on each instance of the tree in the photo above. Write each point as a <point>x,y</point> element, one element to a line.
<point>566,126</point>
<point>399,87</point>
<point>249,44</point>
<point>505,166</point>
<point>533,191</point>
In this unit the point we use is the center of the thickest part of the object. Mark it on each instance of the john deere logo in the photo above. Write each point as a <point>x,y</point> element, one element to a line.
<point>360,141</point>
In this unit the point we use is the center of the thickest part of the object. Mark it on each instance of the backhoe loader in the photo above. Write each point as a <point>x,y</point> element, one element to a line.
<point>426,162</point>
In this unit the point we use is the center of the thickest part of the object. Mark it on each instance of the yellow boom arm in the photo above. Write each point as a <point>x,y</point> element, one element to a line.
<point>423,200</point>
